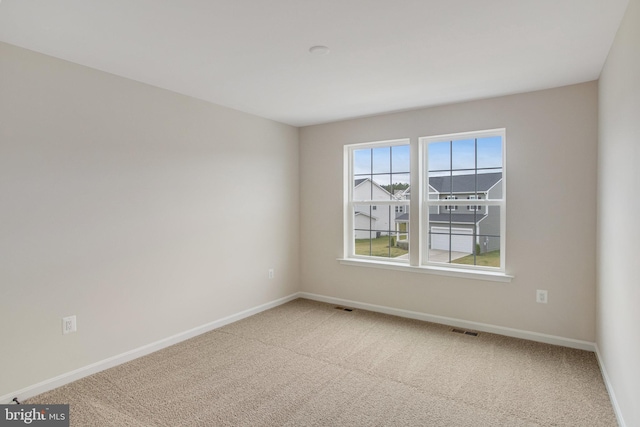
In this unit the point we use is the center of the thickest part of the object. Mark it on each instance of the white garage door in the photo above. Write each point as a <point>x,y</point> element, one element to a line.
<point>459,243</point>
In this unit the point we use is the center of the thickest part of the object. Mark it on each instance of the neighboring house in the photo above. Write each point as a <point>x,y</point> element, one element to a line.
<point>362,223</point>
<point>470,224</point>
<point>371,220</point>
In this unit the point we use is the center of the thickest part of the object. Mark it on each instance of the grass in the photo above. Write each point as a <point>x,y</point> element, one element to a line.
<point>378,247</point>
<point>489,259</point>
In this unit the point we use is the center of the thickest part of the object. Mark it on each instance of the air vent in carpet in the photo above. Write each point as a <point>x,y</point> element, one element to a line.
<point>460,331</point>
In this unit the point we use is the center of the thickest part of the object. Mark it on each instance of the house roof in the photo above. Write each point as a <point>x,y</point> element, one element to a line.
<point>459,183</point>
<point>359,181</point>
<point>365,214</point>
<point>465,183</point>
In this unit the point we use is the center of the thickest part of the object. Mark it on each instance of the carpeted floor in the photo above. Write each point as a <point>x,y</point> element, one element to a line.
<point>308,364</point>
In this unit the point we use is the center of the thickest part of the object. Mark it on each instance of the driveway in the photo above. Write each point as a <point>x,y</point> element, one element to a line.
<point>437,255</point>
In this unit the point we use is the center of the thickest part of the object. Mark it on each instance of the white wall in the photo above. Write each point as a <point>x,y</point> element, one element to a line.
<point>618,212</point>
<point>551,213</point>
<point>143,212</point>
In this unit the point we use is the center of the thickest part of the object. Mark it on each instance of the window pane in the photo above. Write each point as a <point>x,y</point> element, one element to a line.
<point>363,218</point>
<point>400,185</point>
<point>362,188</point>
<point>463,154</point>
<point>382,232</point>
<point>461,178</point>
<point>382,183</point>
<point>439,155</point>
<point>485,258</point>
<point>490,152</point>
<point>400,159</point>
<point>381,160</point>
<point>490,184</point>
<point>381,189</point>
<point>465,184</point>
<point>448,242</point>
<point>362,162</point>
<point>463,237</point>
<point>440,186</point>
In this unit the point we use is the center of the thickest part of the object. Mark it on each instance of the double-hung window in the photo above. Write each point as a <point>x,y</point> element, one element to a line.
<point>377,200</point>
<point>450,233</point>
<point>458,168</point>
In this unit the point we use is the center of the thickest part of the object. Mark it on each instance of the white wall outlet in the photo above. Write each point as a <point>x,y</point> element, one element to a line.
<point>541,296</point>
<point>271,273</point>
<point>68,324</point>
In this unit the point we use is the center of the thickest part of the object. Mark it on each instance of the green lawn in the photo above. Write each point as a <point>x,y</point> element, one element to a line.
<point>378,247</point>
<point>489,259</point>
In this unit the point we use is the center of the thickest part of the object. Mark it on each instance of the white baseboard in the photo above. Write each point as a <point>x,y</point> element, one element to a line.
<point>609,386</point>
<point>110,362</point>
<point>93,368</point>
<point>465,324</point>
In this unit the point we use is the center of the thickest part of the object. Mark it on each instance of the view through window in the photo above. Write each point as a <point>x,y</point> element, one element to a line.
<point>461,194</point>
<point>462,168</point>
<point>380,195</point>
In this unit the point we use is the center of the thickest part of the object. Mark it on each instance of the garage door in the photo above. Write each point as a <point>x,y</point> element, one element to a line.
<point>461,239</point>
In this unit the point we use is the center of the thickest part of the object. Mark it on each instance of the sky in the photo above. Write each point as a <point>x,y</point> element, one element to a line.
<point>392,164</point>
<point>450,156</point>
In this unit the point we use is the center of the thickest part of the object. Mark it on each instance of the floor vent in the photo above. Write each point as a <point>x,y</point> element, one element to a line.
<point>344,308</point>
<point>460,331</point>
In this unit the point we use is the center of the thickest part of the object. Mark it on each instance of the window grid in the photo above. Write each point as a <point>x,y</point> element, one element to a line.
<point>377,234</point>
<point>453,217</point>
<point>451,202</point>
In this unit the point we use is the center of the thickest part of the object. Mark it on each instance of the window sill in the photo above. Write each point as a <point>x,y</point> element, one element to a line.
<point>441,271</point>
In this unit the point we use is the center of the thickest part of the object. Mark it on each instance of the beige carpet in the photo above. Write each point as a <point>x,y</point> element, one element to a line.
<point>308,364</point>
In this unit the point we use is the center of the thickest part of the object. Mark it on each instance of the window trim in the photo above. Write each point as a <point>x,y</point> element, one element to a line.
<point>389,264</point>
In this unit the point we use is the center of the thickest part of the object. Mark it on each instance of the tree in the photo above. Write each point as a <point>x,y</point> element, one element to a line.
<point>398,186</point>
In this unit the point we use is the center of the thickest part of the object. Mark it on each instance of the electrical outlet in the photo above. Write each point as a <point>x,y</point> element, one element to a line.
<point>541,296</point>
<point>271,273</point>
<point>68,324</point>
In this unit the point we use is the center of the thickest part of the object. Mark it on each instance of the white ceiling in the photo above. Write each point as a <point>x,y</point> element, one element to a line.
<point>252,55</point>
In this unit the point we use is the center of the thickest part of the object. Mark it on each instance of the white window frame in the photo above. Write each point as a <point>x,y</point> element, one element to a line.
<point>418,223</point>
<point>350,203</point>
<point>455,201</point>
